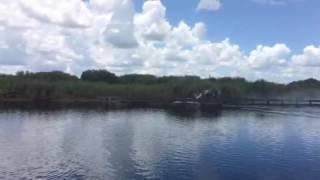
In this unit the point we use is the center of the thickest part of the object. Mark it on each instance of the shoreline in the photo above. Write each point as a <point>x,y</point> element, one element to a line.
<point>105,103</point>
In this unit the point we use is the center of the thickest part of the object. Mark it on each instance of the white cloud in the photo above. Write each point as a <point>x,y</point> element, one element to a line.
<point>151,22</point>
<point>184,35</point>
<point>211,5</point>
<point>120,31</point>
<point>310,57</point>
<point>75,35</point>
<point>264,56</point>
<point>102,6</point>
<point>71,13</point>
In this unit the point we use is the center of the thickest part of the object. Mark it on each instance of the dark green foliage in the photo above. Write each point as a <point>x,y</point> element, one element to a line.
<point>137,78</point>
<point>264,88</point>
<point>50,76</point>
<point>101,83</point>
<point>177,79</point>
<point>310,83</point>
<point>311,87</point>
<point>98,76</point>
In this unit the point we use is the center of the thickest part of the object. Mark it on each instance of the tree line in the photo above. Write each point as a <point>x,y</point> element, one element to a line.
<point>102,83</point>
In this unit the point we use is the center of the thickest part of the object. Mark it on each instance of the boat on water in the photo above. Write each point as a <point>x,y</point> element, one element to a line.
<point>186,104</point>
<point>207,100</point>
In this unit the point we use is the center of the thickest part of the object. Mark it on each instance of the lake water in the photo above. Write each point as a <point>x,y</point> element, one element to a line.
<point>275,144</point>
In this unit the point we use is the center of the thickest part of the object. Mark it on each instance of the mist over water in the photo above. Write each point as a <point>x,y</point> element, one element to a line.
<point>250,144</point>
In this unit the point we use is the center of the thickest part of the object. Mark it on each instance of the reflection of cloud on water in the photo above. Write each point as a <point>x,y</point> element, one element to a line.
<point>268,130</point>
<point>309,135</point>
<point>169,144</point>
<point>141,144</point>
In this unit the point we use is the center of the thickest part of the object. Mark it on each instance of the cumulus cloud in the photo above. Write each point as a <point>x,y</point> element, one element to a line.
<point>211,5</point>
<point>152,22</point>
<point>120,31</point>
<point>71,13</point>
<point>310,57</point>
<point>264,56</point>
<point>12,52</point>
<point>76,35</point>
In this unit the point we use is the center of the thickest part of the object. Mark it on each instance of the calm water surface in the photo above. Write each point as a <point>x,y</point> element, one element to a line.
<point>278,144</point>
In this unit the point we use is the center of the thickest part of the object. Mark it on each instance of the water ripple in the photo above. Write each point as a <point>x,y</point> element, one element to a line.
<point>152,144</point>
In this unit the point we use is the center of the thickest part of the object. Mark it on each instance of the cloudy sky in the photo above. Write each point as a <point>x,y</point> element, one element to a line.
<point>278,40</point>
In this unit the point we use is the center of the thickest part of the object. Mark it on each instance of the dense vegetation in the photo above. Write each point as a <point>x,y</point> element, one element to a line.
<point>100,83</point>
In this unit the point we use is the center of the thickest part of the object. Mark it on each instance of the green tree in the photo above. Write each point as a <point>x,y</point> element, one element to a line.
<point>137,78</point>
<point>99,76</point>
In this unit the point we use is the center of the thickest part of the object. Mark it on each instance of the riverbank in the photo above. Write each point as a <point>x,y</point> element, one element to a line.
<point>111,103</point>
<point>183,105</point>
<point>148,90</point>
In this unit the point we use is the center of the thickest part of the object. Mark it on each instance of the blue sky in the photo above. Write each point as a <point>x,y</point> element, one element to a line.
<point>248,23</point>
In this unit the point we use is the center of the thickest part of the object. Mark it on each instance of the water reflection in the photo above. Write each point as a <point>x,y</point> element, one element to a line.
<point>156,144</point>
